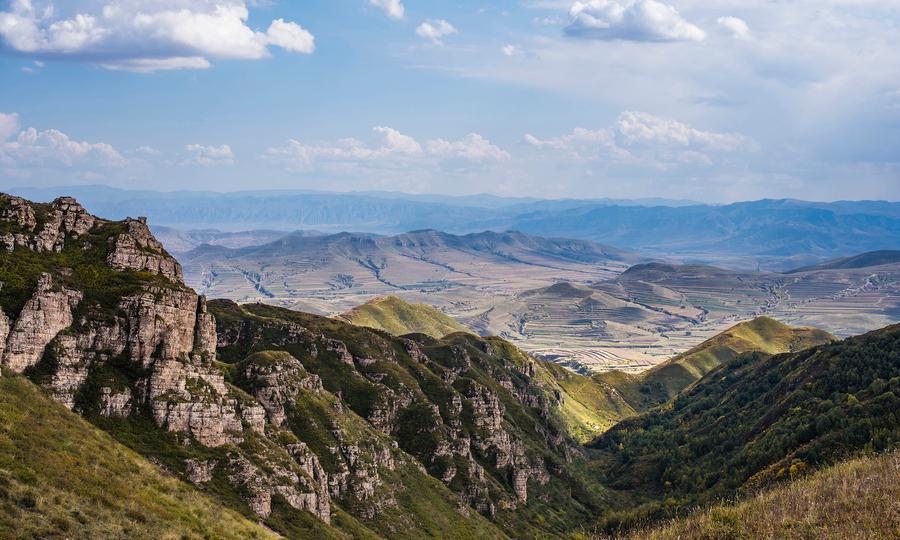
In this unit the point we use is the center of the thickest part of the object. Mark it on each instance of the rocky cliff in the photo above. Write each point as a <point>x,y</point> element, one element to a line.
<point>279,414</point>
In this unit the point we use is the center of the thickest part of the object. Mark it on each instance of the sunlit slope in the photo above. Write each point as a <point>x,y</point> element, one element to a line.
<point>398,317</point>
<point>60,477</point>
<point>752,422</point>
<point>855,499</point>
<point>664,381</point>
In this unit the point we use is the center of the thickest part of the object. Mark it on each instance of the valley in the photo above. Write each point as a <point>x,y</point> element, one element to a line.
<point>245,420</point>
<point>586,306</point>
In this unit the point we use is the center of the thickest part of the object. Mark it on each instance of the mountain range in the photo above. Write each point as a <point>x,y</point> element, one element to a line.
<point>773,234</point>
<point>135,407</point>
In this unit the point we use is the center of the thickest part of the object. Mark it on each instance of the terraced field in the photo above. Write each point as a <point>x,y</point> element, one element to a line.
<point>653,312</point>
<point>581,304</point>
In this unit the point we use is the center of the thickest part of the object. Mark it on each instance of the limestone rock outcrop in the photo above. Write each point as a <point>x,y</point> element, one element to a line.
<point>46,314</point>
<point>137,249</point>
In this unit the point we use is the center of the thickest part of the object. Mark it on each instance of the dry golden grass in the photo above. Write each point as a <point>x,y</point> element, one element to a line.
<point>858,499</point>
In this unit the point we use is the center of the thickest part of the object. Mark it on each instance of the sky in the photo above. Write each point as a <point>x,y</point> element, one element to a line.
<point>712,100</point>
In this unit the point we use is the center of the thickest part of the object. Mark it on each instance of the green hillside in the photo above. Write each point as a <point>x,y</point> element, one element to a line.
<point>854,499</point>
<point>664,381</point>
<point>398,317</point>
<point>60,477</point>
<point>754,420</point>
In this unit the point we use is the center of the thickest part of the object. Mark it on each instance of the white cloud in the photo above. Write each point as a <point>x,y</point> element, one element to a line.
<point>392,8</point>
<point>640,128</point>
<point>209,155</point>
<point>473,147</point>
<point>151,65</point>
<point>735,26</point>
<point>511,50</point>
<point>644,140</point>
<point>52,148</point>
<point>391,149</point>
<point>291,37</point>
<point>146,36</point>
<point>435,29</point>
<point>9,125</point>
<point>630,20</point>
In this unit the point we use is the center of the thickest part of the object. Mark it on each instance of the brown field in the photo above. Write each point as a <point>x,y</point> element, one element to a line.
<point>562,300</point>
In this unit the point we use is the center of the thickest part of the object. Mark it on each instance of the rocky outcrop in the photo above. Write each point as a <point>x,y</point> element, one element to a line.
<point>62,219</point>
<point>137,249</point>
<point>66,218</point>
<point>261,486</point>
<point>46,314</point>
<point>152,353</point>
<point>160,323</point>
<point>276,379</point>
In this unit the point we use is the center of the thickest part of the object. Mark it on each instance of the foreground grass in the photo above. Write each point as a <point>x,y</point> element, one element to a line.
<point>858,499</point>
<point>62,478</point>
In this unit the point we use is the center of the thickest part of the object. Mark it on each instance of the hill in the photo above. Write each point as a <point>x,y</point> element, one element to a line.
<point>854,498</point>
<point>332,274</point>
<point>754,420</point>
<point>863,260</point>
<point>393,315</point>
<point>664,381</point>
<point>61,476</point>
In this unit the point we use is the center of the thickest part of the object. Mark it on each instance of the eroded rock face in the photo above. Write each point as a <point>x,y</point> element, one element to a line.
<point>137,249</point>
<point>276,379</point>
<point>299,491</point>
<point>46,314</point>
<point>67,218</point>
<point>189,397</point>
<point>154,353</point>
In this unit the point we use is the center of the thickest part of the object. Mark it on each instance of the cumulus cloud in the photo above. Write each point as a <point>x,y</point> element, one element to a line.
<point>640,128</point>
<point>52,148</point>
<point>735,26</point>
<point>435,29</point>
<point>390,149</point>
<point>643,139</point>
<point>473,147</point>
<point>209,155</point>
<point>630,20</point>
<point>145,36</point>
<point>392,8</point>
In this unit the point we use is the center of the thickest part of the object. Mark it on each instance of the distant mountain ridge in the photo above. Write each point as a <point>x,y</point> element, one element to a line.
<point>783,234</point>
<point>863,260</point>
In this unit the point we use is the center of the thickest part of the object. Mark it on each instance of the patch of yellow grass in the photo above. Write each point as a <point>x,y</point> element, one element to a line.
<point>858,499</point>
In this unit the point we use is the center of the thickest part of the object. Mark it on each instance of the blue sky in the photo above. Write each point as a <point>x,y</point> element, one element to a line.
<point>716,101</point>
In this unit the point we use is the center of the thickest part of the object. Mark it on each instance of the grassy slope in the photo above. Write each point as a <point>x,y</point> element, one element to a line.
<point>552,508</point>
<point>61,477</point>
<point>755,420</point>
<point>664,381</point>
<point>855,499</point>
<point>398,317</point>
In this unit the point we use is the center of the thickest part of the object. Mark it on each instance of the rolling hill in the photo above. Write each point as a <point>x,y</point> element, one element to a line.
<point>752,421</point>
<point>331,274</point>
<point>664,381</point>
<point>863,260</point>
<point>393,315</point>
